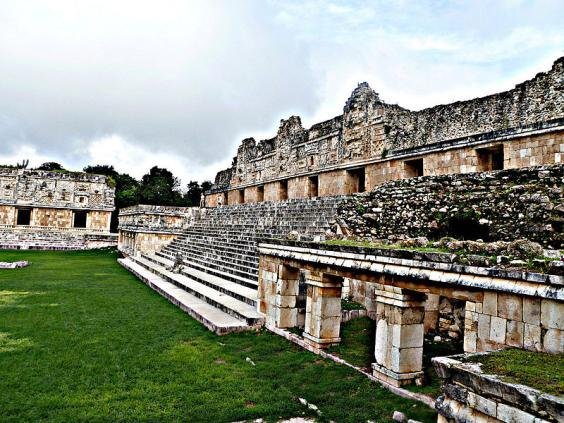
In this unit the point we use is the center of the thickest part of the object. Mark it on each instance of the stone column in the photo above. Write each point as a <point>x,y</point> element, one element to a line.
<point>278,292</point>
<point>399,336</point>
<point>323,309</point>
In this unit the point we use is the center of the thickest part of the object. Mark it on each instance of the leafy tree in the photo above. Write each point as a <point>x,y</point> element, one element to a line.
<point>51,166</point>
<point>160,186</point>
<point>127,189</point>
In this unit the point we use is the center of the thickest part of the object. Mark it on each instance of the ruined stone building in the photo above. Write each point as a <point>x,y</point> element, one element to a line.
<point>59,210</point>
<point>373,142</point>
<point>476,184</point>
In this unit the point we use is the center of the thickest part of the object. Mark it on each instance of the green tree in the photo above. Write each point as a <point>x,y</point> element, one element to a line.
<point>127,189</point>
<point>160,187</point>
<point>51,166</point>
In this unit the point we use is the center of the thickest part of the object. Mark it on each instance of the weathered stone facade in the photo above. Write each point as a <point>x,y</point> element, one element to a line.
<point>496,205</point>
<point>373,142</point>
<point>72,206</point>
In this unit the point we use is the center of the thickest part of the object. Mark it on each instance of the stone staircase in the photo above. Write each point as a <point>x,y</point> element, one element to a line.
<point>218,281</point>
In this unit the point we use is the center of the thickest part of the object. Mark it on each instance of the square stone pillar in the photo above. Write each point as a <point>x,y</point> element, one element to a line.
<point>399,336</point>
<point>323,310</point>
<point>278,293</point>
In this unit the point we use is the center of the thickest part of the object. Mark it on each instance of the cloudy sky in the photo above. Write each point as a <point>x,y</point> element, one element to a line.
<point>179,83</point>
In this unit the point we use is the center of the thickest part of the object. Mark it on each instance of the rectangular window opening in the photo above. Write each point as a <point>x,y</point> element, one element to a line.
<point>79,219</point>
<point>413,168</point>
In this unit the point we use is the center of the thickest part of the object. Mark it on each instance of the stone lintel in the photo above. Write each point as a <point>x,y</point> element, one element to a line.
<point>399,303</point>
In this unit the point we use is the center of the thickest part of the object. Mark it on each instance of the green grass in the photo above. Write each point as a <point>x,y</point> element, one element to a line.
<point>357,342</point>
<point>81,339</point>
<point>541,371</point>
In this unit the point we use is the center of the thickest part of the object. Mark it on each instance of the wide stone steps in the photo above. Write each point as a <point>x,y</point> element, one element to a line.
<point>220,299</point>
<point>190,265</point>
<point>220,257</point>
<point>245,271</point>
<point>218,247</point>
<point>210,316</point>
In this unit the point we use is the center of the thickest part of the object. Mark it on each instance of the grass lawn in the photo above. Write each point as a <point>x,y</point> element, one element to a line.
<point>541,371</point>
<point>81,339</point>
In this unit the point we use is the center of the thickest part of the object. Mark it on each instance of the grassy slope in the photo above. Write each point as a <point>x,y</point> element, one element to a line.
<point>82,339</point>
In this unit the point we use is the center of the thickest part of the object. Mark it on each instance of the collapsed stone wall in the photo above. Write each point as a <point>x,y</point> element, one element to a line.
<point>496,205</point>
<point>537,100</point>
<point>370,129</point>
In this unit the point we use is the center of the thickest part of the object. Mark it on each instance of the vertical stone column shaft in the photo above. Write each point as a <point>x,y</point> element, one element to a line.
<point>399,336</point>
<point>323,309</point>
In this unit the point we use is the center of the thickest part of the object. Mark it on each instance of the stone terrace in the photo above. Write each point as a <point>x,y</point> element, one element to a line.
<point>218,279</point>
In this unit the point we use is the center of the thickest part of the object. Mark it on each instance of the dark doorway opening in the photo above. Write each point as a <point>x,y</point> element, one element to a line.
<point>283,190</point>
<point>24,217</point>
<point>313,186</point>
<point>413,168</point>
<point>490,158</point>
<point>260,194</point>
<point>358,179</point>
<point>241,196</point>
<point>79,220</point>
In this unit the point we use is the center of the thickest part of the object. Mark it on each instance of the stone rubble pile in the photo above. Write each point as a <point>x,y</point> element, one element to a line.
<point>500,205</point>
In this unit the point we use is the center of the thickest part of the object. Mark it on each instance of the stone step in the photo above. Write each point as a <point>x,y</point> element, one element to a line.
<point>248,282</point>
<point>249,259</point>
<point>222,246</point>
<point>226,265</point>
<point>226,303</point>
<point>210,316</point>
<point>233,289</point>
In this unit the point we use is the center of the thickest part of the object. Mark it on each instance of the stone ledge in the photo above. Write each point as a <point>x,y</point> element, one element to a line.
<point>357,260</point>
<point>465,385</point>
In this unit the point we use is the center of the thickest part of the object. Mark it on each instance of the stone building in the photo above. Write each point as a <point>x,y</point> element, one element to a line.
<point>373,142</point>
<point>61,210</point>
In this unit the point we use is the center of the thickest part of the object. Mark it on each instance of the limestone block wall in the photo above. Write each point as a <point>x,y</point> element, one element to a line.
<point>469,395</point>
<point>299,187</point>
<point>274,191</point>
<point>98,220</point>
<point>534,151</point>
<point>71,190</point>
<point>503,319</point>
<point>7,215</point>
<point>148,243</point>
<point>56,218</point>
<point>510,204</point>
<point>370,130</point>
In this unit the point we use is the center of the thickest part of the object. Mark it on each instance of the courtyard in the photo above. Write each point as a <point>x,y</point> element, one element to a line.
<point>81,339</point>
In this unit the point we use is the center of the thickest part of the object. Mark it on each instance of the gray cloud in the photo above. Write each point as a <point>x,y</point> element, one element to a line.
<point>179,83</point>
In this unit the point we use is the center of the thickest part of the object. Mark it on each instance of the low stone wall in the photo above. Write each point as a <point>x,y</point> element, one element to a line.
<point>469,395</point>
<point>499,205</point>
<point>147,228</point>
